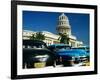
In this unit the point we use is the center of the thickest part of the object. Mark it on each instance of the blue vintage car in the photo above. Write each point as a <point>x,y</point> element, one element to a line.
<point>85,48</point>
<point>66,55</point>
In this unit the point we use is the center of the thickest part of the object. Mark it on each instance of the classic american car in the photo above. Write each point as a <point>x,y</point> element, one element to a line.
<point>66,55</point>
<point>85,56</point>
<point>36,54</point>
<point>33,58</point>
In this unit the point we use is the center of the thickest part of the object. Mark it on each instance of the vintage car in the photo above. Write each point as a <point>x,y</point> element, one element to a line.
<point>57,47</point>
<point>65,55</point>
<point>85,56</point>
<point>34,44</point>
<point>37,58</point>
<point>36,54</point>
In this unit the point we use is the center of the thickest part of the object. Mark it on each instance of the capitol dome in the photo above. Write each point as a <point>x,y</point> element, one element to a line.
<point>63,25</point>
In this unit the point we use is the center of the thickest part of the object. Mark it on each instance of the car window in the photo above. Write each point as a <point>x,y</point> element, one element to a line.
<point>83,48</point>
<point>62,47</point>
<point>34,45</point>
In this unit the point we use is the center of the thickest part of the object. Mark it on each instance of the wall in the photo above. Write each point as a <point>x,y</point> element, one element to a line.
<point>5,29</point>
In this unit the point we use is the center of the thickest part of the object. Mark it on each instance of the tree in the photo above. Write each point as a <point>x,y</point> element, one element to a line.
<point>32,37</point>
<point>64,38</point>
<point>38,36</point>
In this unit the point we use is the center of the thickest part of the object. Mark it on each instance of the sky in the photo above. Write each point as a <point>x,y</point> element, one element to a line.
<point>48,21</point>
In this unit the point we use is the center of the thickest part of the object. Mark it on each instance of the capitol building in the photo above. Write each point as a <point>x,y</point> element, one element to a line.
<point>63,27</point>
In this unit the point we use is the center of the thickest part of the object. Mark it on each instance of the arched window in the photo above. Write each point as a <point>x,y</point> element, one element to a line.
<point>62,17</point>
<point>62,23</point>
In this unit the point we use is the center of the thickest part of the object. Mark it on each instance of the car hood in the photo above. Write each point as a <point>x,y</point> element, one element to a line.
<point>71,52</point>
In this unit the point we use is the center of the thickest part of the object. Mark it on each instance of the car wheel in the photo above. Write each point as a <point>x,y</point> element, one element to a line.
<point>54,65</point>
<point>68,63</point>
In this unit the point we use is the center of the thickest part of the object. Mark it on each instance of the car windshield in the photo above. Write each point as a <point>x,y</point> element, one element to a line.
<point>38,46</point>
<point>33,44</point>
<point>35,52</point>
<point>83,48</point>
<point>62,47</point>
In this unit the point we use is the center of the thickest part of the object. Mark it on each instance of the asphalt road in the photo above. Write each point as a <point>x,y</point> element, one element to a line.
<point>57,66</point>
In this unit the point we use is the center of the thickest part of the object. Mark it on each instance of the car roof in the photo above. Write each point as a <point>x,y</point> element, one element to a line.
<point>30,51</point>
<point>71,52</point>
<point>59,45</point>
<point>30,42</point>
<point>82,47</point>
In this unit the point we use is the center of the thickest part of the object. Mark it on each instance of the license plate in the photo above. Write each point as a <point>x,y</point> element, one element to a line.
<point>39,64</point>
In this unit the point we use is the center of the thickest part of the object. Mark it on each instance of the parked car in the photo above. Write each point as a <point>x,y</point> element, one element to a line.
<point>57,47</point>
<point>34,44</point>
<point>33,58</point>
<point>65,55</point>
<point>85,56</point>
<point>36,54</point>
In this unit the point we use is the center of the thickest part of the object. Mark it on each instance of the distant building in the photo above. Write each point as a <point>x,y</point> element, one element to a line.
<point>63,25</point>
<point>51,38</point>
<point>65,28</point>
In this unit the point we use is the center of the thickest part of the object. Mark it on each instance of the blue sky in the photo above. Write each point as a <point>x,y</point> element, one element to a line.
<point>47,21</point>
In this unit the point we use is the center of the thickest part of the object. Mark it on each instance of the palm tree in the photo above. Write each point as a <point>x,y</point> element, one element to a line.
<point>64,38</point>
<point>38,36</point>
<point>32,37</point>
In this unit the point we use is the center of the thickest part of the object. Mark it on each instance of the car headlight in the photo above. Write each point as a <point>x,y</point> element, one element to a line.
<point>42,57</point>
<point>73,58</point>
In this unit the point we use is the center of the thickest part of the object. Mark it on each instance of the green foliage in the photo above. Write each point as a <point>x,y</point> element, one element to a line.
<point>64,38</point>
<point>32,37</point>
<point>38,36</point>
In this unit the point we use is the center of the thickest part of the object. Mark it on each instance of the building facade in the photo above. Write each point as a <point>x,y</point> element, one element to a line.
<point>62,28</point>
<point>63,25</point>
<point>50,38</point>
<point>65,28</point>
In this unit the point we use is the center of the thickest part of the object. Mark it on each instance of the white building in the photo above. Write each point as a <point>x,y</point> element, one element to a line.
<point>63,28</point>
<point>50,38</point>
<point>63,25</point>
<point>27,34</point>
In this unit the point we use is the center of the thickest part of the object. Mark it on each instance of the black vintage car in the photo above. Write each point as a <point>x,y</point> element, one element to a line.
<point>36,54</point>
<point>34,44</point>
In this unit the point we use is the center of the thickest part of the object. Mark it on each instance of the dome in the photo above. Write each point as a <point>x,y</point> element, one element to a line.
<point>63,25</point>
<point>63,17</point>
